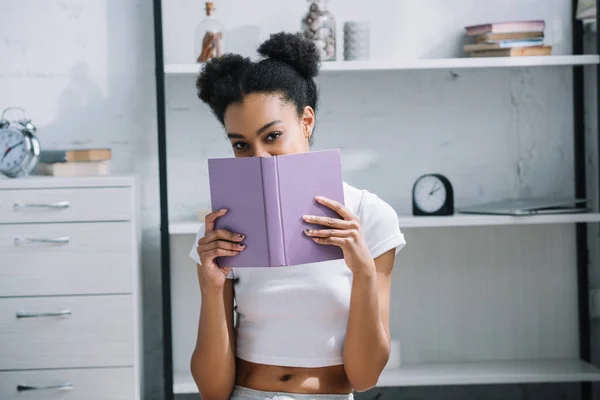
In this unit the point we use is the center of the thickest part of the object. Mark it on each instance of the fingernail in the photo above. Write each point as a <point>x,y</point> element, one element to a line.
<point>305,217</point>
<point>307,231</point>
<point>222,210</point>
<point>319,197</point>
<point>239,236</point>
<point>241,246</point>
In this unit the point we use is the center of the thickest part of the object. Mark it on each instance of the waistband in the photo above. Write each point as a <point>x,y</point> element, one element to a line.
<point>244,393</point>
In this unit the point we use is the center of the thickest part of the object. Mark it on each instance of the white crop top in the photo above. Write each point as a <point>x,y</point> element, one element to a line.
<point>297,316</point>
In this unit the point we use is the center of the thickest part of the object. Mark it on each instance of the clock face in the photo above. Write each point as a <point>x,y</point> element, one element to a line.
<point>13,149</point>
<point>430,194</point>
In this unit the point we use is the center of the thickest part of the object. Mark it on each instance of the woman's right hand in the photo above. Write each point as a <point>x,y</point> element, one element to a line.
<point>216,243</point>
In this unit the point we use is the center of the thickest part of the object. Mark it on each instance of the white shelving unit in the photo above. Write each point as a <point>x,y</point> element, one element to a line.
<point>494,287</point>
<point>192,227</point>
<point>486,300</point>
<point>424,64</point>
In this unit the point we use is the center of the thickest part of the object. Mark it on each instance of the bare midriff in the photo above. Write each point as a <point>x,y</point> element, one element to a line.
<point>271,378</point>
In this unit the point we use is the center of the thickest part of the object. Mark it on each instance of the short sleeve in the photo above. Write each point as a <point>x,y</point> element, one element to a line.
<point>379,222</point>
<point>194,251</point>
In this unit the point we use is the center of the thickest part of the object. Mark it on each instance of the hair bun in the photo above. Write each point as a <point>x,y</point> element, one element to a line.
<point>219,75</point>
<point>292,49</point>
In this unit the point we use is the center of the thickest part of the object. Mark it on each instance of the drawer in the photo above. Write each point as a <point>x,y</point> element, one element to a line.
<point>66,205</point>
<point>89,384</point>
<point>64,259</point>
<point>66,332</point>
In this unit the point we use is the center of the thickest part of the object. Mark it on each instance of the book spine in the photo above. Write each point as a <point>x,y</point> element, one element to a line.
<point>52,156</point>
<point>272,205</point>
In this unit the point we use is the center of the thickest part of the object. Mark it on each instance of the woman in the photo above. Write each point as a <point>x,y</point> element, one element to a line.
<point>315,331</point>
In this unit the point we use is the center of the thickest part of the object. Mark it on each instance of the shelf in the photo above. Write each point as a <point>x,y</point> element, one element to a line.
<point>491,220</point>
<point>436,63</point>
<point>183,383</point>
<point>186,228</point>
<point>470,373</point>
<point>493,372</point>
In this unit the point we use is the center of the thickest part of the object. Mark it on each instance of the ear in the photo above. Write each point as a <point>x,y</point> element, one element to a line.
<point>307,120</point>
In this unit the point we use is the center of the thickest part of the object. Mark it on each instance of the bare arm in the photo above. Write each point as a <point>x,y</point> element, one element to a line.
<point>367,343</point>
<point>213,360</point>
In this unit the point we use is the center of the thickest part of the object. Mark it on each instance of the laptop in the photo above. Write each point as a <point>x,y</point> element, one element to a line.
<point>528,206</point>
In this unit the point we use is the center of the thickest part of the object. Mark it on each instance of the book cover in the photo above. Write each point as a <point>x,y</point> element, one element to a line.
<point>506,27</point>
<point>74,155</point>
<point>515,52</point>
<point>497,37</point>
<point>266,198</point>
<point>79,168</point>
<point>586,9</point>
<point>508,44</point>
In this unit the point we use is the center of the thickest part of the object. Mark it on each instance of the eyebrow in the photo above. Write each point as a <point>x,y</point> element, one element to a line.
<point>258,132</point>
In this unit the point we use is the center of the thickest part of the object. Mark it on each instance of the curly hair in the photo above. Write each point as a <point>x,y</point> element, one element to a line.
<point>288,68</point>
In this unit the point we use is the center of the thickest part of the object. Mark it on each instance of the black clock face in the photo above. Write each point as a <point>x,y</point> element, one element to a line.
<point>13,149</point>
<point>430,194</point>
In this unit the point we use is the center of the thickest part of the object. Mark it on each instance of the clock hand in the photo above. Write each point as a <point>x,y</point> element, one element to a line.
<point>9,149</point>
<point>433,190</point>
<point>17,145</point>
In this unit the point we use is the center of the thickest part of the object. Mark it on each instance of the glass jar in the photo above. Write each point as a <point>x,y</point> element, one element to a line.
<point>318,25</point>
<point>209,38</point>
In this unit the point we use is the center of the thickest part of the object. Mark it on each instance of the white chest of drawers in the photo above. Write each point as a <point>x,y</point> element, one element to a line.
<point>69,289</point>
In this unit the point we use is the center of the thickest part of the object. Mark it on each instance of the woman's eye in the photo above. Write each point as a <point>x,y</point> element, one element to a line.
<point>239,145</point>
<point>273,136</point>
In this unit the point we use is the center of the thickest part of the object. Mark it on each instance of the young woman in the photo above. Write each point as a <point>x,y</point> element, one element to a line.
<point>315,331</point>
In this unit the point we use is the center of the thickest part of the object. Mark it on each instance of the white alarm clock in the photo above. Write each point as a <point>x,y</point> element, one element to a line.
<point>19,146</point>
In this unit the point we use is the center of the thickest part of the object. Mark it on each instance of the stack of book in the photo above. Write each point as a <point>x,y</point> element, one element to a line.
<point>586,11</point>
<point>81,162</point>
<point>507,39</point>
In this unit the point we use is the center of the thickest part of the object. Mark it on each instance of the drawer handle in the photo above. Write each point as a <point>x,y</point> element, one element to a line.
<point>59,205</point>
<point>19,240</point>
<point>62,386</point>
<point>25,314</point>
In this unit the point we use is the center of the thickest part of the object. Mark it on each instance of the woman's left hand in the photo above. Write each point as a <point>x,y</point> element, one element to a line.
<point>345,233</point>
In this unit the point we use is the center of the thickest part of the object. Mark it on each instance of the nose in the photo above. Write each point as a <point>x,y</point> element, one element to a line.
<point>260,152</point>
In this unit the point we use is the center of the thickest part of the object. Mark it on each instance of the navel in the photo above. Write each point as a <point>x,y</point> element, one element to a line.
<point>285,378</point>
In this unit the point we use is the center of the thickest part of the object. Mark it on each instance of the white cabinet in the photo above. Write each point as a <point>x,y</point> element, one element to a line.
<point>69,288</point>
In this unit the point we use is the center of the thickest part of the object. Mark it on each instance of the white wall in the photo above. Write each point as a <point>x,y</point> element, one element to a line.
<point>494,133</point>
<point>490,133</point>
<point>400,28</point>
<point>84,71</point>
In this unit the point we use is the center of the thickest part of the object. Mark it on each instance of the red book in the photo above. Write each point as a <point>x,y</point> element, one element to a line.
<point>506,27</point>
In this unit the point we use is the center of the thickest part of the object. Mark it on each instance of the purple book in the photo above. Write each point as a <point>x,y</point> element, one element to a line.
<point>266,198</point>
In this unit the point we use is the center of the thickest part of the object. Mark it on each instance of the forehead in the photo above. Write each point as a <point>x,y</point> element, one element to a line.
<point>257,110</point>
